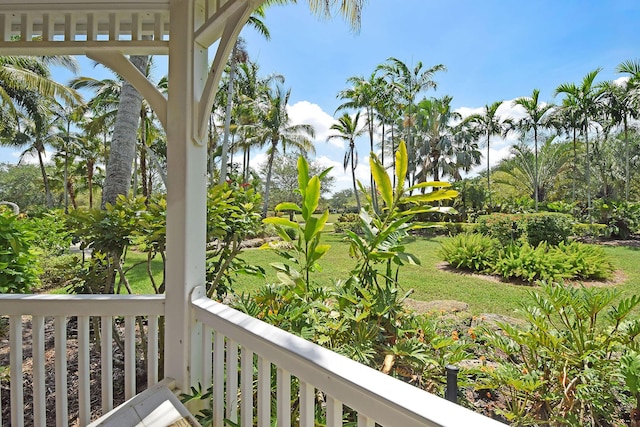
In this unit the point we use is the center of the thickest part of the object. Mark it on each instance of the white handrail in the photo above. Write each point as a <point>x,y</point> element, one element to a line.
<point>60,307</point>
<point>372,394</point>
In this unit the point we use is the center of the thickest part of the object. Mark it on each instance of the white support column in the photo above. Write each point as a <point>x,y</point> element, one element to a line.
<point>186,194</point>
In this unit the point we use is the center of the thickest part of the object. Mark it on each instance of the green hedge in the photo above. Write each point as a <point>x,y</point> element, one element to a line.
<point>532,228</point>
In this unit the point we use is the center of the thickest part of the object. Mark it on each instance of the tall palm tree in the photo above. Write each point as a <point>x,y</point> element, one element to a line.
<point>251,87</point>
<point>434,125</point>
<point>488,124</point>
<point>629,99</point>
<point>348,130</point>
<point>519,171</point>
<point>587,97</point>
<point>410,81</point>
<point>537,115</point>
<point>25,80</point>
<point>276,131</point>
<point>364,93</point>
<point>566,119</point>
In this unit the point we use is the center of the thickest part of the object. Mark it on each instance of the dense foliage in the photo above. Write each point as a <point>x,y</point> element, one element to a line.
<point>18,261</point>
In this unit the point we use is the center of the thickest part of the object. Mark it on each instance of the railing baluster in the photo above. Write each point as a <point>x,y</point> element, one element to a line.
<point>246,387</point>
<point>364,421</point>
<point>307,416</point>
<point>264,392</point>
<point>129,357</point>
<point>62,409</point>
<point>232,381</point>
<point>106,361</point>
<point>17,393</point>
<point>207,357</point>
<point>38,390</point>
<point>334,412</point>
<point>152,350</point>
<point>218,380</point>
<point>84,398</point>
<point>283,397</point>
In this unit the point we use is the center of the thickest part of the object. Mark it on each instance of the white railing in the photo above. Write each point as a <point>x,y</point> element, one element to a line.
<point>91,311</point>
<point>241,345</point>
<point>240,357</point>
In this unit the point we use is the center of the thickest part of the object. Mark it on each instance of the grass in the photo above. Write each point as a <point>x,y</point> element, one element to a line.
<point>427,281</point>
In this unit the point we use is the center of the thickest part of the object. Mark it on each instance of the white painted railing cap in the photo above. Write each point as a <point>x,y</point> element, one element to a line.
<point>155,407</point>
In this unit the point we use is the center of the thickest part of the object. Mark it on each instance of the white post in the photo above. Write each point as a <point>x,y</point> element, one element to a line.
<point>186,195</point>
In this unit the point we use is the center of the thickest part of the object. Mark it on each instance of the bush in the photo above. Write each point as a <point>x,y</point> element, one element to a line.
<point>586,261</point>
<point>589,231</point>
<point>18,262</point>
<point>534,228</point>
<point>471,251</point>
<point>563,367</point>
<point>622,219</point>
<point>529,264</point>
<point>60,271</point>
<point>347,222</point>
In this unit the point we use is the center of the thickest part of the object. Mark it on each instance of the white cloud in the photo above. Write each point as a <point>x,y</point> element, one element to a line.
<point>304,112</point>
<point>32,158</point>
<point>343,177</point>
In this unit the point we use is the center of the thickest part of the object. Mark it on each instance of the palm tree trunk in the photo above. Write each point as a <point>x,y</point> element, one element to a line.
<point>575,161</point>
<point>535,172</point>
<point>90,182</point>
<point>626,159</point>
<point>123,144</point>
<point>143,153</point>
<point>586,138</point>
<point>488,171</point>
<point>227,117</point>
<point>353,176</point>
<point>267,184</point>
<point>45,181</point>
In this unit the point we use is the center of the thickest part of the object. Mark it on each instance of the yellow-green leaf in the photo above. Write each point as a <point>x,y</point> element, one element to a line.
<point>303,173</point>
<point>288,206</point>
<point>401,166</point>
<point>382,180</point>
<point>284,222</point>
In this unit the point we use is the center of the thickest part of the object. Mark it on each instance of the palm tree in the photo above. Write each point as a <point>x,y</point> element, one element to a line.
<point>364,93</point>
<point>434,125</point>
<point>348,131</point>
<point>25,80</point>
<point>123,143</point>
<point>520,171</point>
<point>566,119</point>
<point>487,124</point>
<point>275,130</point>
<point>409,83</point>
<point>629,97</point>
<point>586,97</point>
<point>536,118</point>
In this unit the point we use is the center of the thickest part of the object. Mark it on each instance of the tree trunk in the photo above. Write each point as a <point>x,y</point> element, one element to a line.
<point>143,154</point>
<point>353,176</point>
<point>45,181</point>
<point>267,184</point>
<point>227,117</point>
<point>488,170</point>
<point>123,144</point>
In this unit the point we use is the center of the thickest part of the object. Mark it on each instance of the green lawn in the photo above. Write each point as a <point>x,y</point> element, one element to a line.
<point>427,280</point>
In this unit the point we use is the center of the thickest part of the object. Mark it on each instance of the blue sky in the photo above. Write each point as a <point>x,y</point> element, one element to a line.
<point>493,50</point>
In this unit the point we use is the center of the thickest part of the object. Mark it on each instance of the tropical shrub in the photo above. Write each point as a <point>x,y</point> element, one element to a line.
<point>534,228</point>
<point>232,216</point>
<point>18,261</point>
<point>563,367</point>
<point>622,219</point>
<point>471,251</point>
<point>589,231</point>
<point>529,264</point>
<point>347,221</point>
<point>526,263</point>
<point>586,261</point>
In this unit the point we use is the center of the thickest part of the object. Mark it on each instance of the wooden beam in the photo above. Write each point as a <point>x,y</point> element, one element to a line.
<point>121,65</point>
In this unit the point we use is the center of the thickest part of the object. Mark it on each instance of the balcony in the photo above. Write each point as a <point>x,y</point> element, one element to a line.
<point>253,367</point>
